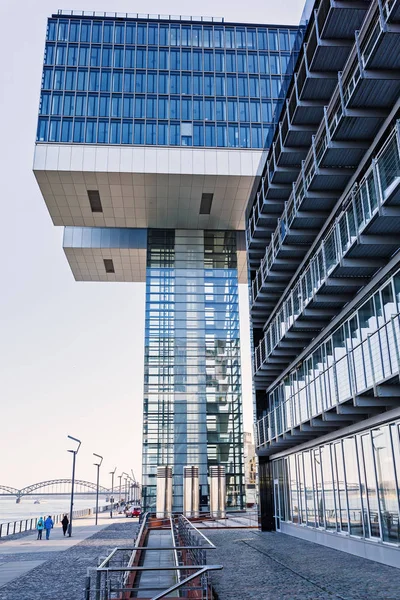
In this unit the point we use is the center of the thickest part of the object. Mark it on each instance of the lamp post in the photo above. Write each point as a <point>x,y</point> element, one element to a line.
<point>120,478</point>
<point>98,465</point>
<point>112,473</point>
<point>126,486</point>
<point>74,453</point>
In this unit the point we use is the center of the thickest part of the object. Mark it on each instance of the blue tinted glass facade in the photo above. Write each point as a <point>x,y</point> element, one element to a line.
<point>192,372</point>
<point>166,83</point>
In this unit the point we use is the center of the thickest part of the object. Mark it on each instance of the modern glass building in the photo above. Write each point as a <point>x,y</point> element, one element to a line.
<point>130,79</point>
<point>150,134</point>
<point>323,249</point>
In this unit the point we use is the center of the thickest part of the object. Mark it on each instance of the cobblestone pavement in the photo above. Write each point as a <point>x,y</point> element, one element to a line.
<point>270,566</point>
<point>62,576</point>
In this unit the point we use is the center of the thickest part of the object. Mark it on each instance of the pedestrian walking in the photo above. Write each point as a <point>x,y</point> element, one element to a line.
<point>40,527</point>
<point>64,524</point>
<point>48,525</point>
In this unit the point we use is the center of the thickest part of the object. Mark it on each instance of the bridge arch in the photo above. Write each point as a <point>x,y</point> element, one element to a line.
<point>88,487</point>
<point>9,490</point>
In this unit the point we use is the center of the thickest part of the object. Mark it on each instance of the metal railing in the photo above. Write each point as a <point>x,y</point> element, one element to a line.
<point>119,574</point>
<point>24,525</point>
<point>362,204</point>
<point>150,17</point>
<point>364,366</point>
<point>368,38</point>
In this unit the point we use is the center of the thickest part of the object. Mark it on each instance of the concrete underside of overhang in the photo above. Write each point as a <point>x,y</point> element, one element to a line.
<point>146,186</point>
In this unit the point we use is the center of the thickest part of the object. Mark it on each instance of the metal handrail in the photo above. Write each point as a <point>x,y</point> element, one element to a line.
<point>270,421</point>
<point>209,542</point>
<point>11,528</point>
<point>176,559</point>
<point>341,248</point>
<point>175,587</point>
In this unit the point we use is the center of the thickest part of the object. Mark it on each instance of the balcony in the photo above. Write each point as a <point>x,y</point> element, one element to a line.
<point>367,88</point>
<point>362,382</point>
<point>362,238</point>
<point>325,52</point>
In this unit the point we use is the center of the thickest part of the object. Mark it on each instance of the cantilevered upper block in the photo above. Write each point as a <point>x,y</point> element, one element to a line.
<point>145,187</point>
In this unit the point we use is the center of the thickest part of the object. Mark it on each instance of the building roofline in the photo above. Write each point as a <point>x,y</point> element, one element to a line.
<point>198,20</point>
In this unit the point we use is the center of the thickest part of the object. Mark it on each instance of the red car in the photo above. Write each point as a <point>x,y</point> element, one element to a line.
<point>133,512</point>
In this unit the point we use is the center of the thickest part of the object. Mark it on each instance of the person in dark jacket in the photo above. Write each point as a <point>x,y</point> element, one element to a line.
<point>48,525</point>
<point>64,524</point>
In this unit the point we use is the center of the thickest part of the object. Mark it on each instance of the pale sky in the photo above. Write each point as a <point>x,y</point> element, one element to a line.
<point>71,354</point>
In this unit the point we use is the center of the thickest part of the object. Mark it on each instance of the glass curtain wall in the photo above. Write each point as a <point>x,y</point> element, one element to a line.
<point>192,395</point>
<point>351,485</point>
<point>129,82</point>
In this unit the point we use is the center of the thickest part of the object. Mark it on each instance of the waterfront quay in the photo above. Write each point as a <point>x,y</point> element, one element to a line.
<point>56,569</point>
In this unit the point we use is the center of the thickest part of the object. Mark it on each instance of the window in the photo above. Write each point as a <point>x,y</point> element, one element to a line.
<point>72,59</point>
<point>61,54</point>
<point>83,56</point>
<point>205,204</point>
<point>129,59</point>
<point>97,33</point>
<point>104,109</point>
<point>102,136</point>
<point>221,135</point>
<point>232,110</point>
<point>91,127</point>
<point>130,33</point>
<point>243,85</point>
<point>138,133</point>
<point>82,82</point>
<point>139,107</point>
<point>42,129</point>
<point>174,134</point>
<point>233,136</point>
<point>245,136</point>
<point>49,54</point>
<point>94,81</point>
<point>242,62</point>
<point>59,75</point>
<point>116,106</point>
<point>79,131</point>
<point>151,133</point>
<point>162,134</point>
<point>66,130</point>
<point>109,265</point>
<point>210,135</point>
<point>95,57</point>
<point>115,132</point>
<point>93,105</point>
<point>69,105</point>
<point>231,62</point>
<point>198,134</point>
<point>105,81</point>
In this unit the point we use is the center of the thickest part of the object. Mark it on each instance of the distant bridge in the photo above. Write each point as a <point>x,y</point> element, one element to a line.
<point>55,487</point>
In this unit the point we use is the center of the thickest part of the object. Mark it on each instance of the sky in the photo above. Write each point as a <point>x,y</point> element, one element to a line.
<point>71,354</point>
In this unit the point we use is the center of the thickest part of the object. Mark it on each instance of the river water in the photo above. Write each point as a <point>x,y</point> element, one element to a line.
<point>49,505</point>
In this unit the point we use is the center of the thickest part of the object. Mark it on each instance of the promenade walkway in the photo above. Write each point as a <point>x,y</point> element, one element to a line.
<point>152,583</point>
<point>55,569</point>
<point>271,566</point>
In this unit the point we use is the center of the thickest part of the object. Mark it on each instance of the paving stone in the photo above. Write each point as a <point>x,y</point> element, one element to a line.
<point>271,566</point>
<point>62,574</point>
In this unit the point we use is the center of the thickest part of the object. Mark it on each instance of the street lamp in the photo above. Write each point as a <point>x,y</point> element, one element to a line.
<point>119,477</point>
<point>126,486</point>
<point>98,465</point>
<point>112,473</point>
<point>74,453</point>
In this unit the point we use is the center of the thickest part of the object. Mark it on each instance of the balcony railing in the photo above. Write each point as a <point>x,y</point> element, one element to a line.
<point>366,365</point>
<point>362,204</point>
<point>368,38</point>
